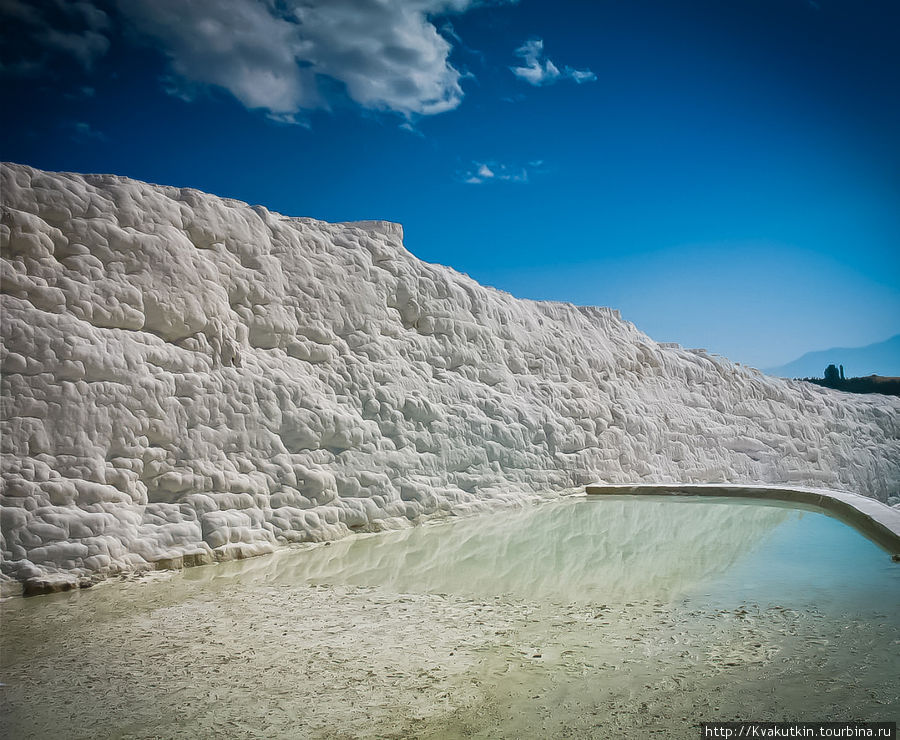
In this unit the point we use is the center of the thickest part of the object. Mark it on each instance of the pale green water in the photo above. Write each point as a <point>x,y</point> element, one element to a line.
<point>589,618</point>
<point>718,551</point>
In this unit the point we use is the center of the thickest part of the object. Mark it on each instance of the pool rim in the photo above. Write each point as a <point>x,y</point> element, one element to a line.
<point>876,521</point>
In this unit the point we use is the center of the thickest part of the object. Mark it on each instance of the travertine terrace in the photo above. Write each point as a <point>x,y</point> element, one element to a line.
<point>189,378</point>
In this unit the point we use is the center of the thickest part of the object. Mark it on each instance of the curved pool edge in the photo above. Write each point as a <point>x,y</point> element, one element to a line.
<point>871,518</point>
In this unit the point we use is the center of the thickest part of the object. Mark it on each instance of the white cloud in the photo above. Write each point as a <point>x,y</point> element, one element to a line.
<point>239,45</point>
<point>481,172</point>
<point>538,70</point>
<point>282,56</point>
<point>273,54</point>
<point>535,71</point>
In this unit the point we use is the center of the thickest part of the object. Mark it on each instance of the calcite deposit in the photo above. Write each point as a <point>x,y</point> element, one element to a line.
<point>188,378</point>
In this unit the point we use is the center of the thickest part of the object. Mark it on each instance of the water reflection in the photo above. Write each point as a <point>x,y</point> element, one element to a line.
<point>613,549</point>
<point>811,560</point>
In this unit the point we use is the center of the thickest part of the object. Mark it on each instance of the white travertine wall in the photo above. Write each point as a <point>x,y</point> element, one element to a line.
<point>188,378</point>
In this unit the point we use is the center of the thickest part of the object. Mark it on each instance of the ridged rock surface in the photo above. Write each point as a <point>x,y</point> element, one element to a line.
<point>188,378</point>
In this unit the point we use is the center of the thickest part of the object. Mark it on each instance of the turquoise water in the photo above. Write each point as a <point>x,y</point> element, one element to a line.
<point>812,559</point>
<point>716,551</point>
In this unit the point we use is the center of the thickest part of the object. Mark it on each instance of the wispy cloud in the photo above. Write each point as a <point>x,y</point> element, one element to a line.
<point>482,172</point>
<point>448,30</point>
<point>44,31</point>
<point>83,131</point>
<point>538,70</point>
<point>410,127</point>
<point>580,75</point>
<point>81,93</point>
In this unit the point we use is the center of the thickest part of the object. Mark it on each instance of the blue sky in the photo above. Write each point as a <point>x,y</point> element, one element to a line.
<point>725,172</point>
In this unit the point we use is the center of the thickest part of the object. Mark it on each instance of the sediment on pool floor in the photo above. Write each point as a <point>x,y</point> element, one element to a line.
<point>64,582</point>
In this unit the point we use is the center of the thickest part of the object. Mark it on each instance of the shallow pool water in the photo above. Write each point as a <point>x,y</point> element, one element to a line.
<point>610,549</point>
<point>589,617</point>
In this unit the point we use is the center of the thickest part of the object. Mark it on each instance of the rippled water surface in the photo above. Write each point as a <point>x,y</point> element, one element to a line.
<point>625,617</point>
<point>610,548</point>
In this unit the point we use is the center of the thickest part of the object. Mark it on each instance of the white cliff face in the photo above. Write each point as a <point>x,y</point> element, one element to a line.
<point>188,378</point>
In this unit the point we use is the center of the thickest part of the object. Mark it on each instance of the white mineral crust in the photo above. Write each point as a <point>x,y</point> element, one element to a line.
<point>188,378</point>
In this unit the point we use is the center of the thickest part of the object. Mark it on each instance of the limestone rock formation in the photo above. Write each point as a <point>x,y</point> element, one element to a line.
<point>188,378</point>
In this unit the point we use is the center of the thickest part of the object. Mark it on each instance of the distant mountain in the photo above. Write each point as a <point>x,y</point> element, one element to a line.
<point>881,358</point>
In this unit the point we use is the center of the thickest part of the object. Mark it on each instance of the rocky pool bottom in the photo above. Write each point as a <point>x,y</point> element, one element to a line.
<point>582,618</point>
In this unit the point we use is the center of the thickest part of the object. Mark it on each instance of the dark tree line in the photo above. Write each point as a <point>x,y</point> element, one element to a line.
<point>834,378</point>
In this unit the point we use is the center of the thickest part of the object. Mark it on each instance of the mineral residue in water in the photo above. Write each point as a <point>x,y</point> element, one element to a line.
<point>251,648</point>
